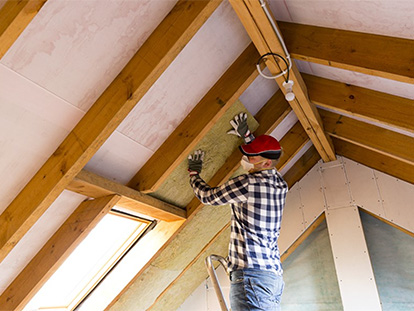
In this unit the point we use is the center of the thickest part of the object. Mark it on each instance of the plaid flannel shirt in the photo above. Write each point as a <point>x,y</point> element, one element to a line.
<point>257,202</point>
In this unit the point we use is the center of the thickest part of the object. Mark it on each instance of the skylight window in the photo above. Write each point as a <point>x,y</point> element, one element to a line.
<point>89,263</point>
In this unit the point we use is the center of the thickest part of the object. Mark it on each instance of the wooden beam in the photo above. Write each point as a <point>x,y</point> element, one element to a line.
<point>102,119</point>
<point>303,236</point>
<point>375,160</point>
<point>73,231</point>
<point>272,113</point>
<point>378,139</point>
<point>199,121</point>
<point>382,56</point>
<point>372,105</point>
<point>265,39</point>
<point>302,166</point>
<point>14,18</point>
<point>95,186</point>
<point>410,233</point>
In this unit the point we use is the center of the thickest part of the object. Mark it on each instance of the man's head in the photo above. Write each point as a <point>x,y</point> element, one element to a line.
<point>262,153</point>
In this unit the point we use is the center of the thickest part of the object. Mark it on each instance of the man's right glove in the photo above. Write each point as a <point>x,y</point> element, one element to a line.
<point>195,162</point>
<point>240,127</point>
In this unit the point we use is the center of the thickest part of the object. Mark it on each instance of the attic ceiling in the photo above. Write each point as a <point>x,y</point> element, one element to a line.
<point>107,98</point>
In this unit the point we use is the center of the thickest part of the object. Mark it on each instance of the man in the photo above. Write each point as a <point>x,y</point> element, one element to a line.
<point>257,200</point>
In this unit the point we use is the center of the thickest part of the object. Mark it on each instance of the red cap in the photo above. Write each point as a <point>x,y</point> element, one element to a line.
<point>266,146</point>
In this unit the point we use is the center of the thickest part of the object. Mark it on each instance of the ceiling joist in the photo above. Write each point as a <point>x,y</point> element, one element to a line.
<point>265,39</point>
<point>382,56</point>
<point>111,108</point>
<point>73,231</point>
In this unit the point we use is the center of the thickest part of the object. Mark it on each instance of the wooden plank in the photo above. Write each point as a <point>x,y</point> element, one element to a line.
<point>73,231</point>
<point>14,18</point>
<point>356,51</point>
<point>102,119</point>
<point>303,236</point>
<point>271,114</point>
<point>360,102</point>
<point>375,160</point>
<point>389,143</point>
<point>265,39</point>
<point>93,185</point>
<point>302,166</point>
<point>199,121</point>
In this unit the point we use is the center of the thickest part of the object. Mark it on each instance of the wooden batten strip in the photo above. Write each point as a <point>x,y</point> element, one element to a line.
<point>15,16</point>
<point>356,101</point>
<point>73,231</point>
<point>356,51</point>
<point>199,121</point>
<point>94,186</point>
<point>102,119</point>
<point>378,139</point>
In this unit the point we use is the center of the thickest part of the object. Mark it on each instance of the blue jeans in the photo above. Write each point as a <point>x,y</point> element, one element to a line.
<point>255,290</point>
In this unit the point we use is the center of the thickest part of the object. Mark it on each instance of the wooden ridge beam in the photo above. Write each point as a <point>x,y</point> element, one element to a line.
<point>356,51</point>
<point>73,231</point>
<point>375,160</point>
<point>15,16</point>
<point>378,139</point>
<point>95,186</point>
<point>372,105</point>
<point>269,117</point>
<point>111,108</point>
<point>265,39</point>
<point>199,121</point>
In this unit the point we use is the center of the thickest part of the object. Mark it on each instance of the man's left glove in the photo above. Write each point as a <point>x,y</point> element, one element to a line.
<point>195,162</point>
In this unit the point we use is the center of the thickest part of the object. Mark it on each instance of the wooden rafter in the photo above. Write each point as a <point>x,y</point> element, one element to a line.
<point>375,160</point>
<point>14,18</point>
<point>265,39</point>
<point>352,100</point>
<point>73,231</point>
<point>199,121</point>
<point>101,120</point>
<point>95,186</point>
<point>378,139</point>
<point>387,57</point>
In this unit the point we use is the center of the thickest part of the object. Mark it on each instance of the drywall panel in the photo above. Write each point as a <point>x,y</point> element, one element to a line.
<point>311,194</point>
<point>363,187</point>
<point>292,221</point>
<point>352,262</point>
<point>119,158</point>
<point>33,122</point>
<point>190,76</point>
<point>398,200</point>
<point>335,185</point>
<point>392,253</point>
<point>75,49</point>
<point>37,236</point>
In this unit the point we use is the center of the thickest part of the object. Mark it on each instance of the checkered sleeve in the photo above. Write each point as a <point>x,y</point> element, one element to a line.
<point>233,191</point>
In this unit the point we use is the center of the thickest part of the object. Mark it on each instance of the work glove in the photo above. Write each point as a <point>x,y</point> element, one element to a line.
<point>240,127</point>
<point>195,162</point>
